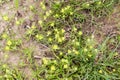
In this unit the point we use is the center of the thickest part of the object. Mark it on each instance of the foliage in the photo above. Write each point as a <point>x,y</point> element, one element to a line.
<point>75,56</point>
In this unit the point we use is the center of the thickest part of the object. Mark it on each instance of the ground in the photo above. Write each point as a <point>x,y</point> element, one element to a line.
<point>107,27</point>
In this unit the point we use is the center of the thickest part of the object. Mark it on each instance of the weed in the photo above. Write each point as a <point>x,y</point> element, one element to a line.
<point>59,27</point>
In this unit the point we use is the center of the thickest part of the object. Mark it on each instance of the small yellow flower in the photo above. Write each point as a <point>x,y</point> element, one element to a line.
<point>89,55</point>
<point>74,29</point>
<point>50,39</point>
<point>7,48</point>
<point>6,76</point>
<point>69,51</point>
<point>99,3</point>
<point>6,56</point>
<point>65,66</point>
<point>18,22</point>
<point>63,16</point>
<point>62,30</point>
<point>5,18</point>
<point>92,36</point>
<point>75,68</point>
<point>33,27</point>
<point>56,30</point>
<point>88,40</point>
<point>62,11</point>
<point>31,7</point>
<point>29,31</point>
<point>4,66</point>
<point>68,7</point>
<point>52,24</point>
<point>50,11</point>
<point>85,50</point>
<point>96,50</point>
<point>52,68</point>
<point>39,37</point>
<point>40,22</point>
<point>56,16</point>
<point>100,71</point>
<point>71,13</point>
<point>114,70</point>
<point>87,5</point>
<point>61,53</point>
<point>91,47</point>
<point>4,36</point>
<point>43,6</point>
<point>75,51</point>
<point>54,61</point>
<point>41,3</point>
<point>45,17</point>
<point>55,47</point>
<point>47,14</point>
<point>77,43</point>
<point>80,33</point>
<point>64,61</point>
<point>63,38</point>
<point>48,33</point>
<point>87,59</point>
<point>59,40</point>
<point>73,40</point>
<point>8,71</point>
<point>14,75</point>
<point>116,54</point>
<point>57,36</point>
<point>45,61</point>
<point>9,42</point>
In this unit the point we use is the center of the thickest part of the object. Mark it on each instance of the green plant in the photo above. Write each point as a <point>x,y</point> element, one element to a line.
<point>59,28</point>
<point>16,3</point>
<point>9,74</point>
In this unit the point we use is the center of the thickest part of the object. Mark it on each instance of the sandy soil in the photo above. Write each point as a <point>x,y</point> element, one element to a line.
<point>110,26</point>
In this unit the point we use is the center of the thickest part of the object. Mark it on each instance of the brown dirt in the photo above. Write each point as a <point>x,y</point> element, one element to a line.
<point>15,58</point>
<point>105,27</point>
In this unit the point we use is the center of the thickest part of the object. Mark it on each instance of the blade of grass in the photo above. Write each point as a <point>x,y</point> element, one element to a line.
<point>16,3</point>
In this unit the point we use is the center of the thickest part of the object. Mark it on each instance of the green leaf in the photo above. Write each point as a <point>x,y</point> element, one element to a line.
<point>16,3</point>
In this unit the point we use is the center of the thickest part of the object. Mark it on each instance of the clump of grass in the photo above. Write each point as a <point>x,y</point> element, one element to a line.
<point>79,59</point>
<point>75,55</point>
<point>7,73</point>
<point>85,63</point>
